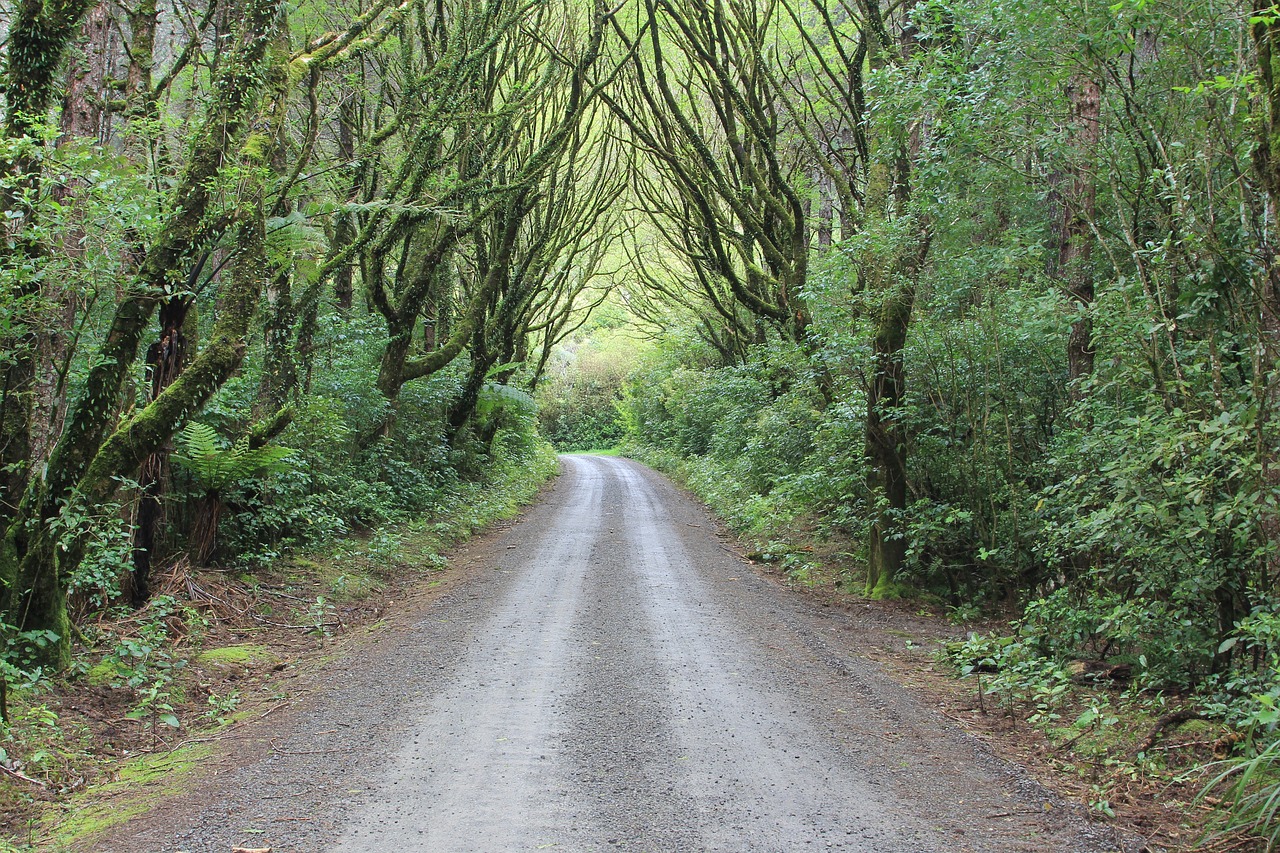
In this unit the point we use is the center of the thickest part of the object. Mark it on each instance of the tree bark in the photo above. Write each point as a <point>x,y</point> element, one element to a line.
<point>885,440</point>
<point>886,436</point>
<point>279,370</point>
<point>1075,235</point>
<point>344,228</point>
<point>165,361</point>
<point>1266,162</point>
<point>84,113</point>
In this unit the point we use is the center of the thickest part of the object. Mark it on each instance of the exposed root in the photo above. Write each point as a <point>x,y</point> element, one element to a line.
<point>1169,721</point>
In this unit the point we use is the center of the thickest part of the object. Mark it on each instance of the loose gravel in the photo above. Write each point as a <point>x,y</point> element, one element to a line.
<point>609,675</point>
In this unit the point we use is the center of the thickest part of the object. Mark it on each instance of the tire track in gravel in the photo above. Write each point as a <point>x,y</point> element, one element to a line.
<point>614,679</point>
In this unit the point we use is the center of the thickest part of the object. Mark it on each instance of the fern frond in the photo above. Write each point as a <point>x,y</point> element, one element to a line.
<point>494,396</point>
<point>215,466</point>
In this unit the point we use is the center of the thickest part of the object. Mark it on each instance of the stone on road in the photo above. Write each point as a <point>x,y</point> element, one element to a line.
<point>614,678</point>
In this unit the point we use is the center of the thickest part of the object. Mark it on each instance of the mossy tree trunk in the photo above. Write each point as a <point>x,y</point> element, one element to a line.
<point>886,441</point>
<point>38,37</point>
<point>84,463</point>
<point>886,434</point>
<point>1266,162</point>
<point>892,281</point>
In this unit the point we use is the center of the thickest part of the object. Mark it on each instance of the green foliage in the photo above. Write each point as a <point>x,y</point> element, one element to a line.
<point>106,535</point>
<point>580,397</point>
<point>338,481</point>
<point>215,466</point>
<point>19,664</point>
<point>145,662</point>
<point>1252,783</point>
<point>1161,507</point>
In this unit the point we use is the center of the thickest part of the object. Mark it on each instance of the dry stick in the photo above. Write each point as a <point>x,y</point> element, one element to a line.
<point>25,778</point>
<point>274,708</point>
<point>1169,721</point>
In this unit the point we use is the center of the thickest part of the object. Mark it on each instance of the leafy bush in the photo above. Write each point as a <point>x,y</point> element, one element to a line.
<point>579,396</point>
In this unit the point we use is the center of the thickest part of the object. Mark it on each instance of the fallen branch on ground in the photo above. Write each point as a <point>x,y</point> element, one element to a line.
<point>24,777</point>
<point>1169,721</point>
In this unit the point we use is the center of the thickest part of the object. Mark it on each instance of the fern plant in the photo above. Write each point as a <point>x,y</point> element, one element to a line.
<point>495,397</point>
<point>213,467</point>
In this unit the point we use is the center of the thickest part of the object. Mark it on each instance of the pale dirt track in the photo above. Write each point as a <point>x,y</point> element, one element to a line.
<point>611,677</point>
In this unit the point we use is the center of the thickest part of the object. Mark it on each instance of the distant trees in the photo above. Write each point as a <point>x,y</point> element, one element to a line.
<point>748,117</point>
<point>718,182</point>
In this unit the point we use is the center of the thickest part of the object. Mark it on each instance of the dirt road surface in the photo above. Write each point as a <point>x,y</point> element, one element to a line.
<point>609,676</point>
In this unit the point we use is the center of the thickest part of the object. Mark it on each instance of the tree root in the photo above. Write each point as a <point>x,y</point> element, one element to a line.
<point>1169,721</point>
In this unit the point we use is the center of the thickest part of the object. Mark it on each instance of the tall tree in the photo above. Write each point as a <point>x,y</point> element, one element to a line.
<point>724,190</point>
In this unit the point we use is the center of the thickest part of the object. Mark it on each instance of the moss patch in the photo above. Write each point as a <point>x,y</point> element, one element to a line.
<point>139,784</point>
<point>106,674</point>
<point>243,654</point>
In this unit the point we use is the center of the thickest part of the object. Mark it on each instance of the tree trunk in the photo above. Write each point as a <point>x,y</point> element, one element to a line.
<point>165,360</point>
<point>279,371</point>
<point>38,37</point>
<point>83,102</point>
<point>1266,161</point>
<point>1075,236</point>
<point>15,424</point>
<point>888,194</point>
<point>344,227</point>
<point>204,529</point>
<point>886,442</point>
<point>462,408</point>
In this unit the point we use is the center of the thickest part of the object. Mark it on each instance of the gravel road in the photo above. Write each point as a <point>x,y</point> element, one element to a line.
<point>609,675</point>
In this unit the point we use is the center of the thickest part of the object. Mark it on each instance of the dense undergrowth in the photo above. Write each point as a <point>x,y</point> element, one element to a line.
<point>1066,692</point>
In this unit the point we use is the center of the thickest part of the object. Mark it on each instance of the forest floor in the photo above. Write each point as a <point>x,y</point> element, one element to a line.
<point>284,683</point>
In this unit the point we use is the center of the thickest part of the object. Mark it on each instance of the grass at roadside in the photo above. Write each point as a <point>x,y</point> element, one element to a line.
<point>213,649</point>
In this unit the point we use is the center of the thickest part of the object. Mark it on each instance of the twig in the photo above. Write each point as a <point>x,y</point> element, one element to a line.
<point>274,708</point>
<point>25,778</point>
<point>1169,721</point>
<point>1070,743</point>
